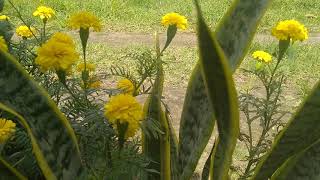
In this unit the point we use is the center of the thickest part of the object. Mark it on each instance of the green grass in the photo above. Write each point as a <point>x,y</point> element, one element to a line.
<point>302,59</point>
<point>145,15</point>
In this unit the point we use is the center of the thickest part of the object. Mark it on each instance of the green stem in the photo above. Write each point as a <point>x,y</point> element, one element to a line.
<point>71,93</point>
<point>43,38</point>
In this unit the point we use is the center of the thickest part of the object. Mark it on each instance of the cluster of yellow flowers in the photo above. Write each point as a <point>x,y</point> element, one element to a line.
<point>7,128</point>
<point>44,12</point>
<point>124,109</point>
<point>175,19</point>
<point>262,56</point>
<point>25,31</point>
<point>290,30</point>
<point>58,53</point>
<point>3,45</point>
<point>84,20</point>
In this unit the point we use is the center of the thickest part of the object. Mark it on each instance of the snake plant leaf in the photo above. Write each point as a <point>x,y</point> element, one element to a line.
<point>300,134</point>
<point>234,34</point>
<point>173,149</point>
<point>9,172</point>
<point>157,149</point>
<point>207,166</point>
<point>304,165</point>
<point>1,5</point>
<point>223,97</point>
<point>50,128</point>
<point>6,30</point>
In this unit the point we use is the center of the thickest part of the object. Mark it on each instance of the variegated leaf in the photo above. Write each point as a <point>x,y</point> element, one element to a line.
<point>234,35</point>
<point>49,126</point>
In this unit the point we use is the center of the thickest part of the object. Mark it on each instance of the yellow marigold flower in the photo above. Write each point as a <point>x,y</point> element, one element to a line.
<point>124,108</point>
<point>25,32</point>
<point>44,12</point>
<point>262,56</point>
<point>63,38</point>
<point>126,86</point>
<point>7,128</point>
<point>57,55</point>
<point>4,17</point>
<point>84,20</point>
<point>90,67</point>
<point>3,45</point>
<point>175,19</point>
<point>95,84</point>
<point>290,29</point>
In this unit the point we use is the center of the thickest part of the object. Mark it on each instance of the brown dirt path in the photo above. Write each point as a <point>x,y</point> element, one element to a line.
<point>181,40</point>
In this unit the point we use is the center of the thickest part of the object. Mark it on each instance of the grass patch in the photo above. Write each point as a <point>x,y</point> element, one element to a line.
<point>302,59</point>
<point>145,15</point>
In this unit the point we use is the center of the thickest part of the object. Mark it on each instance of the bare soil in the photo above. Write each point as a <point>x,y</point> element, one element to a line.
<point>181,40</point>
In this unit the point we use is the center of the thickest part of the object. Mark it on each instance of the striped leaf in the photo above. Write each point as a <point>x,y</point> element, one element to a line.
<point>158,149</point>
<point>1,5</point>
<point>304,165</point>
<point>234,35</point>
<point>173,149</point>
<point>51,130</point>
<point>300,134</point>
<point>222,95</point>
<point>207,166</point>
<point>9,172</point>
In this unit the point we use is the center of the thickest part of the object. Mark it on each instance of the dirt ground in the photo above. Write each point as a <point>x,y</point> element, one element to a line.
<point>181,40</point>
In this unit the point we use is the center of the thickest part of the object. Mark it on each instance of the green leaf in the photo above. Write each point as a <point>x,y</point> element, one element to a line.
<point>173,149</point>
<point>9,172</point>
<point>305,165</point>
<point>223,97</point>
<point>51,130</point>
<point>301,132</point>
<point>1,5</point>
<point>6,30</point>
<point>157,149</point>
<point>234,34</point>
<point>171,33</point>
<point>196,125</point>
<point>207,166</point>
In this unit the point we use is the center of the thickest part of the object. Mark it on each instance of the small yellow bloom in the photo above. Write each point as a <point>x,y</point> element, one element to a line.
<point>84,20</point>
<point>89,66</point>
<point>262,56</point>
<point>290,29</point>
<point>126,86</point>
<point>3,45</point>
<point>25,31</point>
<point>175,19</point>
<point>95,85</point>
<point>44,12</point>
<point>56,54</point>
<point>124,108</point>
<point>7,128</point>
<point>4,17</point>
